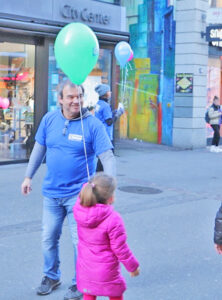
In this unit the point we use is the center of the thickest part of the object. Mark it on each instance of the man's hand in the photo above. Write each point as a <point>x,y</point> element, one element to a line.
<point>218,248</point>
<point>135,273</point>
<point>26,186</point>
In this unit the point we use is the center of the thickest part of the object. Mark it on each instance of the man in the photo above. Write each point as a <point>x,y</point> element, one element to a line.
<point>104,113</point>
<point>103,110</point>
<point>71,144</point>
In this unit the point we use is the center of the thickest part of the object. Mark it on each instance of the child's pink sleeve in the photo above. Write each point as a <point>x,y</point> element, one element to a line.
<point>117,235</point>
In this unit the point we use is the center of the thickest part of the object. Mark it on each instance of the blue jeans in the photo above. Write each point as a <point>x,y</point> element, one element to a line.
<point>54,212</point>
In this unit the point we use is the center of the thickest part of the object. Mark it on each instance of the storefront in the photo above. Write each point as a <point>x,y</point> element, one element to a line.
<point>214,84</point>
<point>214,37</point>
<point>29,74</point>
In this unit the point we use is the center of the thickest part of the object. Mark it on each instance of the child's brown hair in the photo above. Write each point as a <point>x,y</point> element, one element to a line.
<point>98,190</point>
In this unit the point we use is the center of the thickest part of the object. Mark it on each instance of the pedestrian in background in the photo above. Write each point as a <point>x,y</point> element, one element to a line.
<point>104,113</point>
<point>70,160</point>
<point>103,109</point>
<point>102,242</point>
<point>215,121</point>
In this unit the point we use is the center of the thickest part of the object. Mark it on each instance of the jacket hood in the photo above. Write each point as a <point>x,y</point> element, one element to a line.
<point>91,216</point>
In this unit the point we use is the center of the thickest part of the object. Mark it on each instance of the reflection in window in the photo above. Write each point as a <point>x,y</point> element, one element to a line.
<point>16,100</point>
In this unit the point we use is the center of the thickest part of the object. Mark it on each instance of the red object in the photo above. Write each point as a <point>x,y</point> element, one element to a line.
<point>131,56</point>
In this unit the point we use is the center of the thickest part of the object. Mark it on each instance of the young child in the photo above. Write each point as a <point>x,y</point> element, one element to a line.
<point>102,242</point>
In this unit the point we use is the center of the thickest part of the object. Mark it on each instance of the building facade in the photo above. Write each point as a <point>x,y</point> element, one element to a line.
<point>165,89</point>
<point>191,57</point>
<point>29,74</point>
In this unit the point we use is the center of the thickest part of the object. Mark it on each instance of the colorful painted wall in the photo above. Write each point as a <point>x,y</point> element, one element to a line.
<point>146,91</point>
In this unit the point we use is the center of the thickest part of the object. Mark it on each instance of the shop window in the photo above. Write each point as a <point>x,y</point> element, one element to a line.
<point>16,100</point>
<point>100,74</point>
<point>215,3</point>
<point>214,85</point>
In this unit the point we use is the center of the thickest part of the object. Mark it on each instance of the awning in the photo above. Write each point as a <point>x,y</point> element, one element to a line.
<point>50,30</point>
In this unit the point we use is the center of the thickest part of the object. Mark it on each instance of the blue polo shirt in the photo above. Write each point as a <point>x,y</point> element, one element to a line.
<point>103,112</point>
<point>65,157</point>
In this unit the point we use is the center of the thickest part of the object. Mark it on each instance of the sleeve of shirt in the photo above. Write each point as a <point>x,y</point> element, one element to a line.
<point>40,136</point>
<point>101,141</point>
<point>109,162</point>
<point>107,112</point>
<point>36,158</point>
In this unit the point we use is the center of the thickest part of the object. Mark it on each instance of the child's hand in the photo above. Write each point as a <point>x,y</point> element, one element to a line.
<point>135,273</point>
<point>218,248</point>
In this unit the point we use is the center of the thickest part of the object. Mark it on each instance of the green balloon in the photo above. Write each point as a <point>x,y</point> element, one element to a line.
<point>76,51</point>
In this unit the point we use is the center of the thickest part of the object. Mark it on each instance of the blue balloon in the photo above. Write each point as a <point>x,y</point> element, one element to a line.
<point>122,52</point>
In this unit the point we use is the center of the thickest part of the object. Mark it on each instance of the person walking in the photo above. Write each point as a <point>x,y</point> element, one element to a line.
<point>71,138</point>
<point>102,242</point>
<point>215,121</point>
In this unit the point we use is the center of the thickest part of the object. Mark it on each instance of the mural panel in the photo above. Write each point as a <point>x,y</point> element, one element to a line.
<point>149,80</point>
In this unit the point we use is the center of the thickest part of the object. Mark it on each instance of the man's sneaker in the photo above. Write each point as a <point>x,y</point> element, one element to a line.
<point>73,293</point>
<point>47,285</point>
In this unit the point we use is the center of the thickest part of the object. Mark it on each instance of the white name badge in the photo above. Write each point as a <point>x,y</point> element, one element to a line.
<point>75,137</point>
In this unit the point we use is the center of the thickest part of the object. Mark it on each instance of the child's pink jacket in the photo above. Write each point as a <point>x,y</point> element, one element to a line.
<point>102,245</point>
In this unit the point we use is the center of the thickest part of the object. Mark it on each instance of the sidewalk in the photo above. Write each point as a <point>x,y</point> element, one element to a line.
<point>168,199</point>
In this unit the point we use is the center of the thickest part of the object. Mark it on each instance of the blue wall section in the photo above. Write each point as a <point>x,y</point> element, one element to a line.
<point>168,77</point>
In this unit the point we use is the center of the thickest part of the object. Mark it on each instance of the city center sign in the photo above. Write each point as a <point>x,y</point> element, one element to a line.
<point>84,15</point>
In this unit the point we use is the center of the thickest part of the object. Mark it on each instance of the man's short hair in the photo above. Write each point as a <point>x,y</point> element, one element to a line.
<point>69,83</point>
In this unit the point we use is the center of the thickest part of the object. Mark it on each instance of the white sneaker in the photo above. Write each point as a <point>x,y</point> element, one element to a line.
<point>218,149</point>
<point>213,148</point>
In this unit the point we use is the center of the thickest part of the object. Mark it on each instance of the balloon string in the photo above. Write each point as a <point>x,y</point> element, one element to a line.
<point>130,66</point>
<point>124,84</point>
<point>84,141</point>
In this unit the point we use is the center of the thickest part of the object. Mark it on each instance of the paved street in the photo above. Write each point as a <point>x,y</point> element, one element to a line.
<point>170,232</point>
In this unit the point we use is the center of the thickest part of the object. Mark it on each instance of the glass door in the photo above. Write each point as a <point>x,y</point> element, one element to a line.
<point>17,71</point>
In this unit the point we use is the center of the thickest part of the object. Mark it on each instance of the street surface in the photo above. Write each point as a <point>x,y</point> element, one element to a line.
<point>171,232</point>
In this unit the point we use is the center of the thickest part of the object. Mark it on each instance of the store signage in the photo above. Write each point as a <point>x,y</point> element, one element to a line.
<point>216,44</point>
<point>95,14</point>
<point>214,33</point>
<point>84,15</point>
<point>184,83</point>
